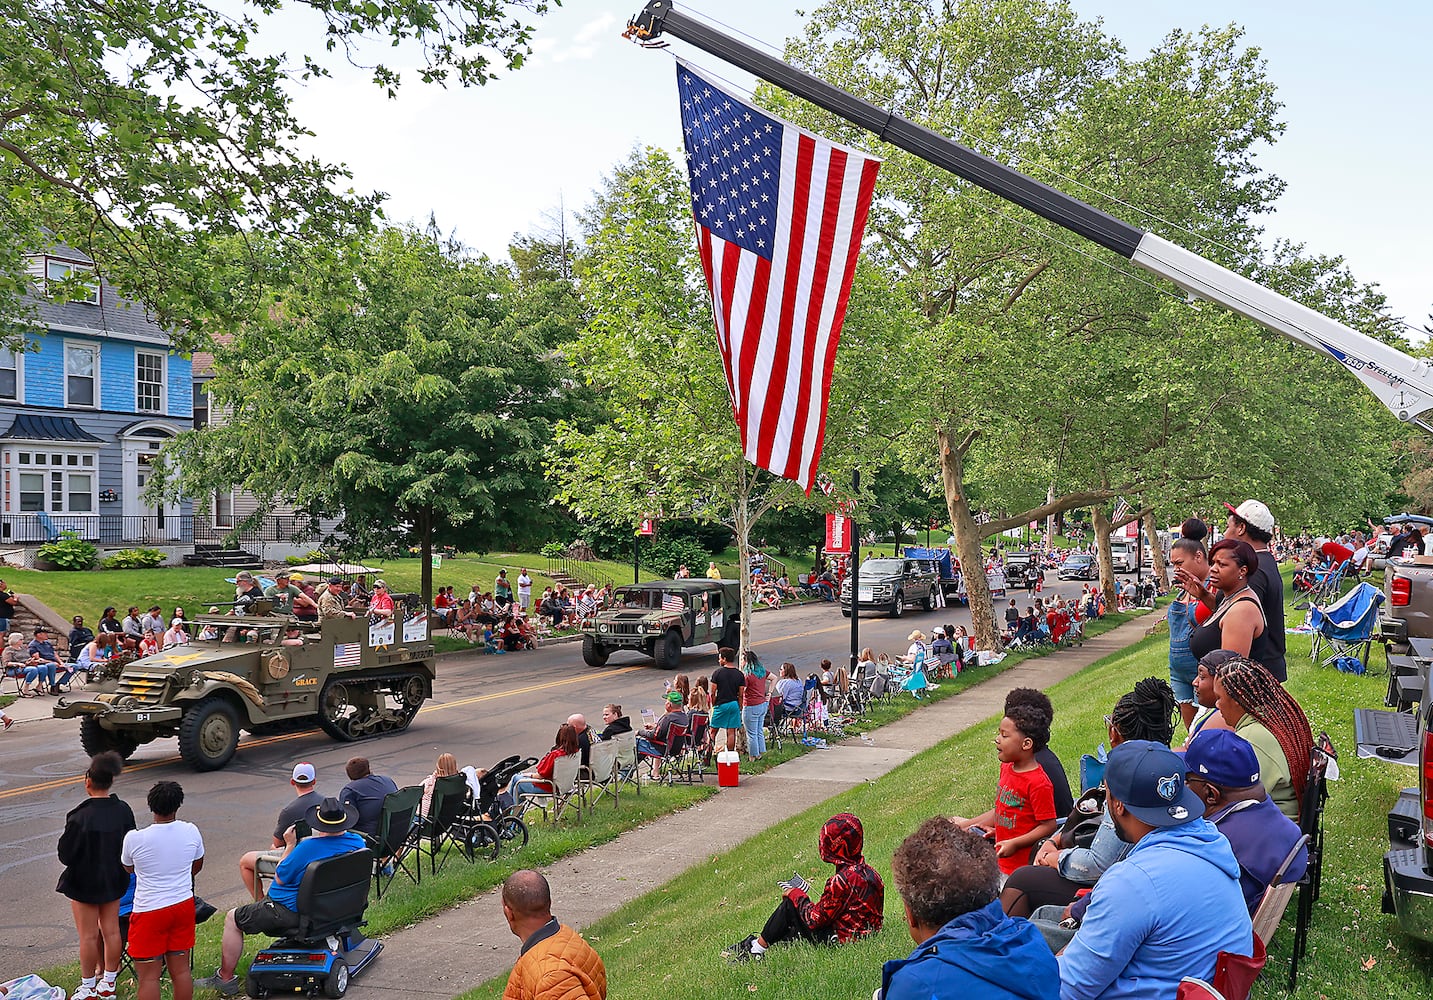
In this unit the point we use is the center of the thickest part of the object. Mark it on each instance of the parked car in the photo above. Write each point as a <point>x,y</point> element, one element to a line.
<point>892,585</point>
<point>1079,567</point>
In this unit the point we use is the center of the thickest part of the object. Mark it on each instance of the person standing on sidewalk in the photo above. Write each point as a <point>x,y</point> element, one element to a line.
<point>728,684</point>
<point>555,962</point>
<point>164,857</point>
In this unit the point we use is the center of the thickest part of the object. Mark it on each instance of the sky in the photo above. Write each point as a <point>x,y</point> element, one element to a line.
<point>497,160</point>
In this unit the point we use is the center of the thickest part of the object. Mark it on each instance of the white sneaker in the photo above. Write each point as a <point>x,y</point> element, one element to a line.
<point>83,992</point>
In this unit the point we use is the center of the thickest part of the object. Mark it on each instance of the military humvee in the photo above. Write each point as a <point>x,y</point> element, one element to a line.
<point>663,617</point>
<point>261,673</point>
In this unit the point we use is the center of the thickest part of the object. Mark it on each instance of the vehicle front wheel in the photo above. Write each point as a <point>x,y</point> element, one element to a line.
<point>335,984</point>
<point>669,650</point>
<point>594,654</point>
<point>898,605</point>
<point>95,739</point>
<point>209,734</point>
<point>929,603</point>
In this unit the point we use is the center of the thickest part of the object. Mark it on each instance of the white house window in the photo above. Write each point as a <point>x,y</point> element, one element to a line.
<point>32,491</point>
<point>9,375</point>
<point>82,363</point>
<point>201,405</point>
<point>224,510</point>
<point>59,271</point>
<point>149,382</point>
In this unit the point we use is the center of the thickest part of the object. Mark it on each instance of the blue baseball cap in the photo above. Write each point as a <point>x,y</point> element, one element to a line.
<point>1148,778</point>
<point>1222,757</point>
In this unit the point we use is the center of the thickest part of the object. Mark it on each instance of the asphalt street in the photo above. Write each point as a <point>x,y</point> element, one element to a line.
<point>484,708</point>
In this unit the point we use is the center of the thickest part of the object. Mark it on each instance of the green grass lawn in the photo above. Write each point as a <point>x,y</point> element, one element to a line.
<point>1354,950</point>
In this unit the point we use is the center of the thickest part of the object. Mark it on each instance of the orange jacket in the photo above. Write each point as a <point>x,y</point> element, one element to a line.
<point>561,967</point>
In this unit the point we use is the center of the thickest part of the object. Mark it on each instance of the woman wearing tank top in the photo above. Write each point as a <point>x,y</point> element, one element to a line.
<point>1238,620</point>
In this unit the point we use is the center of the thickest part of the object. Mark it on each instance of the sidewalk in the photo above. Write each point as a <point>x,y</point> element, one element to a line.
<point>469,944</point>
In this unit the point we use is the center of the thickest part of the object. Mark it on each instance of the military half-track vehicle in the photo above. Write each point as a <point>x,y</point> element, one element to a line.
<point>261,673</point>
<point>663,617</point>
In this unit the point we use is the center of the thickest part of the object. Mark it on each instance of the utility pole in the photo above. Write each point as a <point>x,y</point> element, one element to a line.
<point>855,574</point>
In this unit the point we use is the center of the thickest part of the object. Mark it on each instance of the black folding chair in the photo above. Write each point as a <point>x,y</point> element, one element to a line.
<point>447,826</point>
<point>398,841</point>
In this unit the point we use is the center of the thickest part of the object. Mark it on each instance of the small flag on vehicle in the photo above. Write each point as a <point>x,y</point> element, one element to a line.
<point>347,654</point>
<point>673,602</point>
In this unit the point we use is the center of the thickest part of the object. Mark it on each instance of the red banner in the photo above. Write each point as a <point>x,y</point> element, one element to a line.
<point>838,533</point>
<point>648,527</point>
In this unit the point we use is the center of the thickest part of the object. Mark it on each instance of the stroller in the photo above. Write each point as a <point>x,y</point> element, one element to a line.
<point>1343,632</point>
<point>488,797</point>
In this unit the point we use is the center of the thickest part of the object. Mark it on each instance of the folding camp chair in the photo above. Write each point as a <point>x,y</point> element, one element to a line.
<point>1345,628</point>
<point>600,775</point>
<point>565,790</point>
<point>1325,588</point>
<point>627,763</point>
<point>450,825</point>
<point>398,838</point>
<point>1234,977</point>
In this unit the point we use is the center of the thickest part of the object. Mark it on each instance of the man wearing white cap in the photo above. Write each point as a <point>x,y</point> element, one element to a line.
<point>306,797</point>
<point>1252,522</point>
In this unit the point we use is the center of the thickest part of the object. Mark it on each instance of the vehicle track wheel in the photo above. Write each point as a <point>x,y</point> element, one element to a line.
<point>898,606</point>
<point>334,711</point>
<point>594,654</point>
<point>335,984</point>
<point>414,692</point>
<point>209,734</point>
<point>95,739</point>
<point>669,650</point>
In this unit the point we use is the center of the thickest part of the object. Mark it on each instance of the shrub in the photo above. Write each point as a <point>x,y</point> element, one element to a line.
<point>69,552</point>
<point>133,559</point>
<point>552,550</point>
<point>666,554</point>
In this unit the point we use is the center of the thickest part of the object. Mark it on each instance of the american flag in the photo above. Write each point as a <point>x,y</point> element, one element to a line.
<point>1121,509</point>
<point>347,654</point>
<point>673,602</point>
<point>780,215</point>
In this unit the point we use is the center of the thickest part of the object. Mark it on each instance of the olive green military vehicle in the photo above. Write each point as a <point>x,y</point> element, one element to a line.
<point>262,673</point>
<point>663,617</point>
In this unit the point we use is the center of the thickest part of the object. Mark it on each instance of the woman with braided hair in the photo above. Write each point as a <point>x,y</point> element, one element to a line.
<point>1060,868</point>
<point>1259,708</point>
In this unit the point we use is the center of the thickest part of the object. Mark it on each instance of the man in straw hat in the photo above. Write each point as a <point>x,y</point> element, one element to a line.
<point>331,823</point>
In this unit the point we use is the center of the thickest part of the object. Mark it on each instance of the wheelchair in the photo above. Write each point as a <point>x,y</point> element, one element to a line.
<point>328,949</point>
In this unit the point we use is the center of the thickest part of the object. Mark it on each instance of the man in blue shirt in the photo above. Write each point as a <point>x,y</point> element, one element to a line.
<point>49,660</point>
<point>1172,905</point>
<point>332,823</point>
<point>366,791</point>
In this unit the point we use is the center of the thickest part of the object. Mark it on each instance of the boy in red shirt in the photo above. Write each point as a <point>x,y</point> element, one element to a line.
<point>1024,810</point>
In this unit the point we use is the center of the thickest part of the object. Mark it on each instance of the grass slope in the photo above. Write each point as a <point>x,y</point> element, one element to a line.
<point>1354,949</point>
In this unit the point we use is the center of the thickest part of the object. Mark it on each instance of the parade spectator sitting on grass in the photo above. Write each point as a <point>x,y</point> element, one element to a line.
<point>80,637</point>
<point>652,742</point>
<point>306,797</point>
<point>1224,772</point>
<point>1207,715</point>
<point>1260,710</point>
<point>966,946</point>
<point>539,780</point>
<point>614,722</point>
<point>47,661</point>
<point>1172,905</point>
<point>1044,756</point>
<point>331,825</point>
<point>1024,810</point>
<point>365,791</point>
<point>851,905</point>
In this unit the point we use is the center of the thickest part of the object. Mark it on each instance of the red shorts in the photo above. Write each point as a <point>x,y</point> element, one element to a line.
<point>155,932</point>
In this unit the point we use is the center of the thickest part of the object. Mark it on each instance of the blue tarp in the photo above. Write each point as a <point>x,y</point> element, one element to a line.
<point>941,557</point>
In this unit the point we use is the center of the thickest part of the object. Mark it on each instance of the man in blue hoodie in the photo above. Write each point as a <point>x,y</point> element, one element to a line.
<point>965,944</point>
<point>1172,905</point>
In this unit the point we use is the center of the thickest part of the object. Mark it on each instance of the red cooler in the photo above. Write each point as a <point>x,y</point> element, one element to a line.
<point>728,769</point>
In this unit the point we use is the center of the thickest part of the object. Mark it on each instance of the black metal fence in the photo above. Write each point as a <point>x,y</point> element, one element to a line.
<point>584,571</point>
<point>149,529</point>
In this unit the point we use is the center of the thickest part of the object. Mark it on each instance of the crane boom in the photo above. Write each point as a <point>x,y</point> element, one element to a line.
<point>1400,381</point>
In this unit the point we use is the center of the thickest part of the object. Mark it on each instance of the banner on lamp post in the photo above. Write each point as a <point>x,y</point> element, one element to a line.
<point>648,527</point>
<point>838,533</point>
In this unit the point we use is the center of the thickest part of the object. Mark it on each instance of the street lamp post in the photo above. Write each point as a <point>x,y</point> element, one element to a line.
<point>855,574</point>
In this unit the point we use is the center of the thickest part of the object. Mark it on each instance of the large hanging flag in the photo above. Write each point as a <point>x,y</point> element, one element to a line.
<point>780,216</point>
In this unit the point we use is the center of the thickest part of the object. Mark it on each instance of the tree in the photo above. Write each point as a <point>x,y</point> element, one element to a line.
<point>402,383</point>
<point>138,132</point>
<point>666,442</point>
<point>1054,381</point>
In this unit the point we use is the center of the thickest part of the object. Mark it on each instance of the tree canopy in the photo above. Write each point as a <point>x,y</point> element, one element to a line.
<point>137,132</point>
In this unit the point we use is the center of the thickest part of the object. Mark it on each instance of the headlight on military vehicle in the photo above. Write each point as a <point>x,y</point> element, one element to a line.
<point>656,627</point>
<point>602,627</point>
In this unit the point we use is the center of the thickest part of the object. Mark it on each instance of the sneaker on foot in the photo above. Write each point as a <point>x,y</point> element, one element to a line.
<point>83,992</point>
<point>104,990</point>
<point>741,951</point>
<point>224,987</point>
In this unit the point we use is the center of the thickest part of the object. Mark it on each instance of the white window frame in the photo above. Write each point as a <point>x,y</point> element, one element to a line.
<point>18,357</point>
<point>70,269</point>
<point>220,522</point>
<point>94,349</point>
<point>85,463</point>
<point>163,380</point>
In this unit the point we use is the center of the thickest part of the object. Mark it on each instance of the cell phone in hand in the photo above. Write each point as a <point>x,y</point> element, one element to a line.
<point>979,831</point>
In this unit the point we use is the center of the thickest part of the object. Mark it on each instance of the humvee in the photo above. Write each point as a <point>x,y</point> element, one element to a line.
<point>663,617</point>
<point>262,673</point>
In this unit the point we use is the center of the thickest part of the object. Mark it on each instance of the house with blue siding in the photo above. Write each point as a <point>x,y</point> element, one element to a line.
<point>83,412</point>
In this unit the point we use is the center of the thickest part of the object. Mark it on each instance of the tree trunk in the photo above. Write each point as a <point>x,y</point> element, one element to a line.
<point>425,523</point>
<point>1108,582</point>
<point>741,521</point>
<point>1161,571</point>
<point>967,542</point>
<point>1050,518</point>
